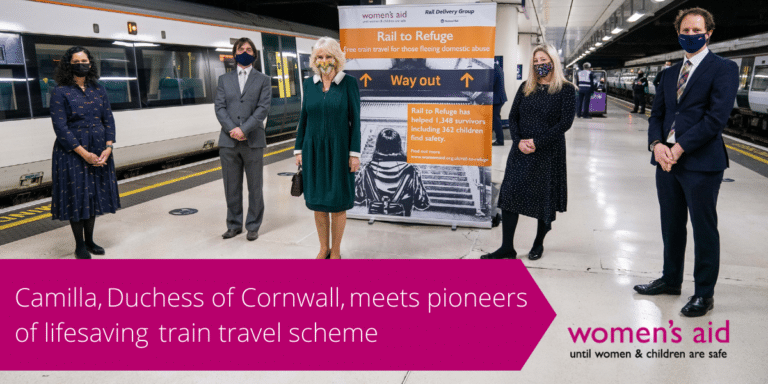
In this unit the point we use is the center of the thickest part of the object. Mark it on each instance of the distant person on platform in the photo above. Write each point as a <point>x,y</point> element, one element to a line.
<point>328,143</point>
<point>499,98</point>
<point>535,181</point>
<point>83,168</point>
<point>685,134</point>
<point>586,80</point>
<point>657,79</point>
<point>243,98</point>
<point>638,91</point>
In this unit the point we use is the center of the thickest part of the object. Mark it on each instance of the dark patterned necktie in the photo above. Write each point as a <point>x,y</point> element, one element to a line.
<point>683,78</point>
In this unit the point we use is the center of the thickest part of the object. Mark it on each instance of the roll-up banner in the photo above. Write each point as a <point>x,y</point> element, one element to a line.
<point>425,74</point>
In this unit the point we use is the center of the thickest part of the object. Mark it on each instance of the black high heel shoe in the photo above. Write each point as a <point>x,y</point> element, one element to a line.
<point>536,253</point>
<point>327,255</point>
<point>95,249</point>
<point>499,254</point>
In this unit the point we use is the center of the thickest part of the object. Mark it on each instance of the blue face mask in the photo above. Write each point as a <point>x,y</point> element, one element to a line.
<point>692,43</point>
<point>245,59</point>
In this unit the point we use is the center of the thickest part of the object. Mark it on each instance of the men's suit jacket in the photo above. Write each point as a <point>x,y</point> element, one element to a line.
<point>246,110</point>
<point>701,114</point>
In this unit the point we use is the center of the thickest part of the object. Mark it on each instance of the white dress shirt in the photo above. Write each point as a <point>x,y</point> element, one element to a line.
<point>695,61</point>
<point>242,76</point>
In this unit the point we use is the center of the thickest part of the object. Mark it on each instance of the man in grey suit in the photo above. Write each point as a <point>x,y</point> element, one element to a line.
<point>243,98</point>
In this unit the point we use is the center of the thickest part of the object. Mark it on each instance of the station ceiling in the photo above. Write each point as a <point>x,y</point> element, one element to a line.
<point>566,24</point>
<point>656,34</point>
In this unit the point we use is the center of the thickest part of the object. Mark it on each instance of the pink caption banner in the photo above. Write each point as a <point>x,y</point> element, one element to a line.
<point>269,315</point>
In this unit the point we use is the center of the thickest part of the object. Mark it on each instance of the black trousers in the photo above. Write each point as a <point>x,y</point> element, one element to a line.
<point>497,130</point>
<point>681,192</point>
<point>582,108</point>
<point>639,101</point>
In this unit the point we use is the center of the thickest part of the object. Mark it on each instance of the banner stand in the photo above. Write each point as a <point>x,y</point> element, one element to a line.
<point>425,74</point>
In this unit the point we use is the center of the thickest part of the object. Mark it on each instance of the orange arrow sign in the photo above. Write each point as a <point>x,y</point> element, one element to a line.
<point>466,78</point>
<point>365,79</point>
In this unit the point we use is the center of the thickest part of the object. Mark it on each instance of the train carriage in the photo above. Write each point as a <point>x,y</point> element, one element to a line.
<point>160,77</point>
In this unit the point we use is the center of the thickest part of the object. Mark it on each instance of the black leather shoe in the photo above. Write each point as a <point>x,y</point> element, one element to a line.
<point>230,233</point>
<point>497,144</point>
<point>536,253</point>
<point>95,249</point>
<point>657,287</point>
<point>82,253</point>
<point>698,306</point>
<point>252,235</point>
<point>499,254</point>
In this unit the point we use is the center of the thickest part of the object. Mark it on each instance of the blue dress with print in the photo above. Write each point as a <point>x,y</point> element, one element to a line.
<point>82,118</point>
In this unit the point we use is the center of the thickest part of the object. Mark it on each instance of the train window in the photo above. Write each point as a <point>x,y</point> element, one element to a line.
<point>114,64</point>
<point>306,70</point>
<point>223,62</point>
<point>291,75</point>
<point>760,82</point>
<point>172,76</point>
<point>745,72</point>
<point>14,99</point>
<point>14,103</point>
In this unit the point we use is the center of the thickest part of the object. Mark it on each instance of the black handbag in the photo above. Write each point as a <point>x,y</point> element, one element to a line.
<point>297,184</point>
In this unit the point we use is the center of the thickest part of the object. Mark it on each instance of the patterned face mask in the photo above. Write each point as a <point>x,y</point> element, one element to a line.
<point>542,70</point>
<point>326,67</point>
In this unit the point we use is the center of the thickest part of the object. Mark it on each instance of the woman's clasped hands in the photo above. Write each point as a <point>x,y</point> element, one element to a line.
<point>526,146</point>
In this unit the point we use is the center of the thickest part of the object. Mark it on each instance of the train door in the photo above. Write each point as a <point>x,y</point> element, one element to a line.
<point>758,92</point>
<point>14,91</point>
<point>281,65</point>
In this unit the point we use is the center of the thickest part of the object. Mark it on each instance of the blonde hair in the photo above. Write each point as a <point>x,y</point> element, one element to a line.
<point>558,79</point>
<point>331,47</point>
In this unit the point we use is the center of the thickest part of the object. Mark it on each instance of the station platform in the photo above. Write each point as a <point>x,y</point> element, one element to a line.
<point>608,241</point>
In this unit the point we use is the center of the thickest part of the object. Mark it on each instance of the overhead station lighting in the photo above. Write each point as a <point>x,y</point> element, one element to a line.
<point>598,44</point>
<point>658,1</point>
<point>591,48</point>
<point>616,31</point>
<point>607,37</point>
<point>635,17</point>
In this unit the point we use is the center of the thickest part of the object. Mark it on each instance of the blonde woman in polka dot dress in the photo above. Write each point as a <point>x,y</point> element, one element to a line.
<point>535,182</point>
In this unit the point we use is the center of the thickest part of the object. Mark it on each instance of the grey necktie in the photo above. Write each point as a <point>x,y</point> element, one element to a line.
<point>242,79</point>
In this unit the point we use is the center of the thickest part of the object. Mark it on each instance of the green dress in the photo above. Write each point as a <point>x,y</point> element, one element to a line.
<point>328,133</point>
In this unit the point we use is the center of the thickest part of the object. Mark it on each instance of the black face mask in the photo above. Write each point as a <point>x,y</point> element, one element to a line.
<point>81,69</point>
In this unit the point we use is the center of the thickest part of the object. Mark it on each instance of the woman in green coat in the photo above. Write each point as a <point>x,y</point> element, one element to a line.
<point>328,143</point>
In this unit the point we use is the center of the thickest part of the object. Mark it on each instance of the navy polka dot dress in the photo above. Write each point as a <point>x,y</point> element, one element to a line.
<point>536,184</point>
<point>81,190</point>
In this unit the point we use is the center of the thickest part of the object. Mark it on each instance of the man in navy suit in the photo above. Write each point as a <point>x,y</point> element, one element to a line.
<point>692,105</point>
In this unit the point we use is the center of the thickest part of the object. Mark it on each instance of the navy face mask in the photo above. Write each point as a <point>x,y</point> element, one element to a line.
<point>81,69</point>
<point>245,59</point>
<point>692,43</point>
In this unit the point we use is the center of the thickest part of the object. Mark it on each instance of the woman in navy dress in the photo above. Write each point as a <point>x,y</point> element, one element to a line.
<point>535,182</point>
<point>84,182</point>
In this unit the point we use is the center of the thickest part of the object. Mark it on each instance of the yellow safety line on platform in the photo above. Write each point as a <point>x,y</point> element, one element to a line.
<point>745,153</point>
<point>143,189</point>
